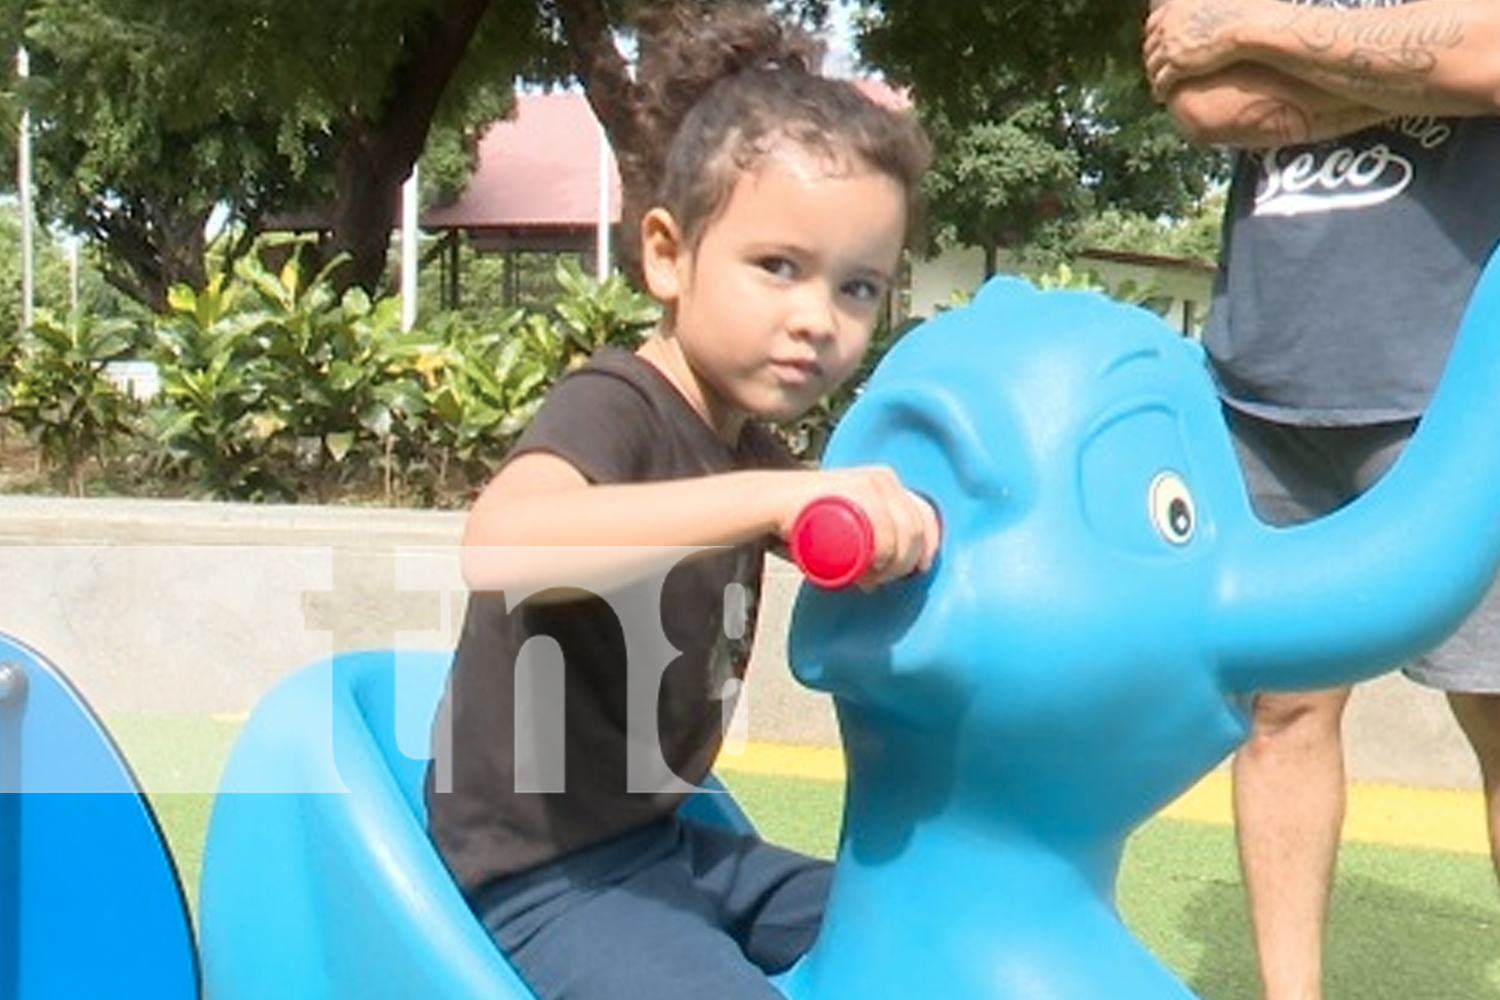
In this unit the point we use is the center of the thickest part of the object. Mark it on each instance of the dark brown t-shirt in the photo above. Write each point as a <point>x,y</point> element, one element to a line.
<point>688,634</point>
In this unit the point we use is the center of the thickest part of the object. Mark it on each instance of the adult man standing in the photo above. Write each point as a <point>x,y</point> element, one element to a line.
<point>1365,200</point>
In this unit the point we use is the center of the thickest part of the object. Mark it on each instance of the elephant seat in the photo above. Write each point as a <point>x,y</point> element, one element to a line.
<point>319,880</point>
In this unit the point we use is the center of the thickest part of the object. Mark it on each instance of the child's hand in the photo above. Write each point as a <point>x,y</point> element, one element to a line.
<point>891,532</point>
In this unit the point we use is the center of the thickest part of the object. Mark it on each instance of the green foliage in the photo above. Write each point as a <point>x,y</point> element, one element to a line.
<point>996,183</point>
<point>207,415</point>
<point>60,394</point>
<point>1066,276</point>
<point>122,154</point>
<point>1194,237</point>
<point>479,387</point>
<point>274,385</point>
<point>1039,114</point>
<point>264,377</point>
<point>951,51</point>
<point>591,314</point>
<point>475,386</point>
<point>152,117</point>
<point>269,377</point>
<point>53,285</point>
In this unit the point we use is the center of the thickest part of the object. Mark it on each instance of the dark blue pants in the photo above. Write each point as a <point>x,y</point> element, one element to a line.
<point>675,910</point>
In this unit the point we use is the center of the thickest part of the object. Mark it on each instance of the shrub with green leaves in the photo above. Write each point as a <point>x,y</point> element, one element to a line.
<point>60,394</point>
<point>274,386</point>
<point>470,388</point>
<point>208,413</point>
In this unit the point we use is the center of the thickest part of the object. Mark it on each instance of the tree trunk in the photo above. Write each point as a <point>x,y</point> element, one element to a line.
<point>615,100</point>
<point>150,248</point>
<point>378,152</point>
<point>368,192</point>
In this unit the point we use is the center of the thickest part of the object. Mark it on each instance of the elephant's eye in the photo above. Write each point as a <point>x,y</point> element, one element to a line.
<point>1172,508</point>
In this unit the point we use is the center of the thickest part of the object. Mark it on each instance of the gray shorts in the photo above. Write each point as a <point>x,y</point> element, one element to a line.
<point>1295,474</point>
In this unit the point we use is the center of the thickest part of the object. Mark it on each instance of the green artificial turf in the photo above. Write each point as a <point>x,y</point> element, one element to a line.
<point>177,759</point>
<point>1406,924</point>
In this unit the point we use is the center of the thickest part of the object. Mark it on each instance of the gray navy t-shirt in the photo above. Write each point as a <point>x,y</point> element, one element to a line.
<point>1346,267</point>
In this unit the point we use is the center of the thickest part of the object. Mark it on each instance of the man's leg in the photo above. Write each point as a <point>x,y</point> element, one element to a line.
<point>1478,716</point>
<point>1289,810</point>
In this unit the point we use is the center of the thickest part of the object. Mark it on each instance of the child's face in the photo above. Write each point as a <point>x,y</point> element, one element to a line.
<point>775,306</point>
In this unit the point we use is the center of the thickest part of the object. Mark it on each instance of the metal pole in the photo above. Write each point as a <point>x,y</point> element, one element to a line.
<point>601,253</point>
<point>409,262</point>
<point>28,258</point>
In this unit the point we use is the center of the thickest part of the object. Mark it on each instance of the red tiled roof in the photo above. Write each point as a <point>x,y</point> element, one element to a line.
<point>538,169</point>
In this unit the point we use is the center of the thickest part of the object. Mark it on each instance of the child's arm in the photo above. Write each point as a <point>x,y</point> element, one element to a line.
<point>540,521</point>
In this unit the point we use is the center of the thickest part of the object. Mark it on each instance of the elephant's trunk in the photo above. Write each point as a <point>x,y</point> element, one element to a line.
<point>1391,575</point>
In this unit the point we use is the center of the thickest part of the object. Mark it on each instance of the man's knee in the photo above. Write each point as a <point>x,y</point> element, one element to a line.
<point>1305,715</point>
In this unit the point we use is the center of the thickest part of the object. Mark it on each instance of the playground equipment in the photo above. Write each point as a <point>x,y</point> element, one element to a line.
<point>1103,603</point>
<point>90,903</point>
<point>319,880</point>
<point>1079,654</point>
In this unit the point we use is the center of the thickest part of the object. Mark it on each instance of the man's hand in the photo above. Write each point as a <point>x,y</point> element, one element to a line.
<point>1191,38</point>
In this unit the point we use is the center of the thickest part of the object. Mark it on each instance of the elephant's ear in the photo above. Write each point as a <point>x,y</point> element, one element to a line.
<point>939,409</point>
<point>875,646</point>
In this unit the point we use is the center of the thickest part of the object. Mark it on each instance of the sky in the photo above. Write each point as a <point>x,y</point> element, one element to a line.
<point>841,59</point>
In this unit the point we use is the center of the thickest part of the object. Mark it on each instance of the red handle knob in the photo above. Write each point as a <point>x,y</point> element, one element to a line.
<point>832,542</point>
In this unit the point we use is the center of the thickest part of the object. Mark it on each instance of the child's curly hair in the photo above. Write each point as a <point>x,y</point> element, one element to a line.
<point>726,83</point>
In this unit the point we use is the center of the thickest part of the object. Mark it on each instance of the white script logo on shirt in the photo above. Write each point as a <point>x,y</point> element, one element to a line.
<point>1304,181</point>
<point>1333,178</point>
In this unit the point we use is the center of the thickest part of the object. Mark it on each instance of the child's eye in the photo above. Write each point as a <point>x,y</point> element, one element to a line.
<point>780,267</point>
<point>864,289</point>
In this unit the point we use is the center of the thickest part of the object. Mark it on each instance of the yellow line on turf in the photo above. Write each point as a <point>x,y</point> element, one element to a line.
<point>1435,818</point>
<point>783,759</point>
<point>1438,818</point>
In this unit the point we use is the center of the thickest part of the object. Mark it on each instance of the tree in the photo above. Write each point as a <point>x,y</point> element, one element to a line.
<point>951,52</point>
<point>1039,115</point>
<point>1037,109</point>
<point>999,183</point>
<point>154,116</point>
<point>393,70</point>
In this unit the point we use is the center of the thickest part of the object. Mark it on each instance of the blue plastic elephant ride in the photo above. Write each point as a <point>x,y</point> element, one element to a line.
<point>1103,604</point>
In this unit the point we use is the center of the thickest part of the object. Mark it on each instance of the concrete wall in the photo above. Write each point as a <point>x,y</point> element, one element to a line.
<point>165,607</point>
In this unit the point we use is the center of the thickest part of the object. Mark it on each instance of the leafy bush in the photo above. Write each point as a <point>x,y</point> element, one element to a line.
<point>465,390</point>
<point>58,391</point>
<point>275,387</point>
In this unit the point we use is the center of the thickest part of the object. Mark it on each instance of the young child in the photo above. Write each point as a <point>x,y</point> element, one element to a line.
<point>647,481</point>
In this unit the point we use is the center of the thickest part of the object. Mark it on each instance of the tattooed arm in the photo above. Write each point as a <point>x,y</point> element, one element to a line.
<point>1246,106</point>
<point>1432,57</point>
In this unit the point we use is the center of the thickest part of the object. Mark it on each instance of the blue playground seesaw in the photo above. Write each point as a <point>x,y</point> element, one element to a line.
<point>90,904</point>
<point>1080,654</point>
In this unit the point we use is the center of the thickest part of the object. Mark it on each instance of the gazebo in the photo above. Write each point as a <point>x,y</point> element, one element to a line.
<point>545,183</point>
